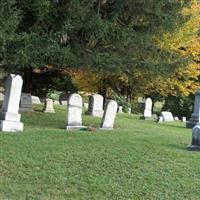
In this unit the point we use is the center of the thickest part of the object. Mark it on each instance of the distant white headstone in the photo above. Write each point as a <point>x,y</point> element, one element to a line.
<point>86,105</point>
<point>109,115</point>
<point>195,119</point>
<point>74,114</point>
<point>148,108</point>
<point>96,105</point>
<point>55,102</point>
<point>129,110</point>
<point>49,106</point>
<point>10,117</point>
<point>167,116</point>
<point>64,102</point>
<point>35,100</point>
<point>183,119</point>
<point>176,118</point>
<point>120,108</point>
<point>160,119</point>
<point>1,96</point>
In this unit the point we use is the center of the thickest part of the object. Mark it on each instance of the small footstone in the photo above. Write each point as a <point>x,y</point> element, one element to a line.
<point>195,139</point>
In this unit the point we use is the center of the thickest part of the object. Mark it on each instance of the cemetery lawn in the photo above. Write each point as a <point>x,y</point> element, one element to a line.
<point>137,160</point>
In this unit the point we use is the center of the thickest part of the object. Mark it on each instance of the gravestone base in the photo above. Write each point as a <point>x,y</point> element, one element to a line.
<point>193,148</point>
<point>49,111</point>
<point>109,129</point>
<point>97,113</point>
<point>75,127</point>
<point>26,109</point>
<point>7,116</point>
<point>11,126</point>
<point>191,124</point>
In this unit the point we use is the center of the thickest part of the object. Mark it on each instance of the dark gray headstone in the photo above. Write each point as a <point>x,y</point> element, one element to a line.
<point>195,119</point>
<point>26,103</point>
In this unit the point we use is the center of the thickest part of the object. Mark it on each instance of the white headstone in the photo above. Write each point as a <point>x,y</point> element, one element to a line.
<point>1,96</point>
<point>160,119</point>
<point>183,119</point>
<point>10,117</point>
<point>35,100</point>
<point>74,114</point>
<point>49,106</point>
<point>129,110</point>
<point>120,109</point>
<point>148,108</point>
<point>167,116</point>
<point>63,103</point>
<point>86,105</point>
<point>195,119</point>
<point>109,115</point>
<point>96,105</point>
<point>176,118</point>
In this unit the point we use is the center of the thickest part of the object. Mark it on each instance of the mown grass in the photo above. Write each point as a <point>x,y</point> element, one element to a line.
<point>137,160</point>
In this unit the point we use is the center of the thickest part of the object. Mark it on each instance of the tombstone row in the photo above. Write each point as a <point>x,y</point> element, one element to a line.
<point>10,117</point>
<point>74,113</point>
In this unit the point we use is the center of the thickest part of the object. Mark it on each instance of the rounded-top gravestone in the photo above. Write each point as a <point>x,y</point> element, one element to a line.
<point>109,115</point>
<point>74,112</point>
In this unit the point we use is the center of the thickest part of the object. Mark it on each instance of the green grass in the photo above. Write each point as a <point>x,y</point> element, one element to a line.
<point>137,160</point>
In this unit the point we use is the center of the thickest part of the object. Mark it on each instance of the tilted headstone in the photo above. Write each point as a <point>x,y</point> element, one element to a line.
<point>120,108</point>
<point>109,115</point>
<point>195,138</point>
<point>49,106</point>
<point>167,116</point>
<point>95,107</point>
<point>195,119</point>
<point>35,100</point>
<point>148,108</point>
<point>26,103</point>
<point>74,114</point>
<point>10,117</point>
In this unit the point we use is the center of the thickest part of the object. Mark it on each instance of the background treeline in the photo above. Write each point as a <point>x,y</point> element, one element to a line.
<point>121,49</point>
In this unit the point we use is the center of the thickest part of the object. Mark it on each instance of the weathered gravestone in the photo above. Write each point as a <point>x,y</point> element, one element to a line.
<point>195,138</point>
<point>35,100</point>
<point>96,105</point>
<point>49,106</point>
<point>74,114</point>
<point>195,119</point>
<point>148,109</point>
<point>120,109</point>
<point>10,118</point>
<point>26,103</point>
<point>109,115</point>
<point>167,116</point>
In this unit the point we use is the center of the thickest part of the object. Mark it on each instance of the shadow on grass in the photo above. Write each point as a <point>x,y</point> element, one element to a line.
<point>178,146</point>
<point>172,125</point>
